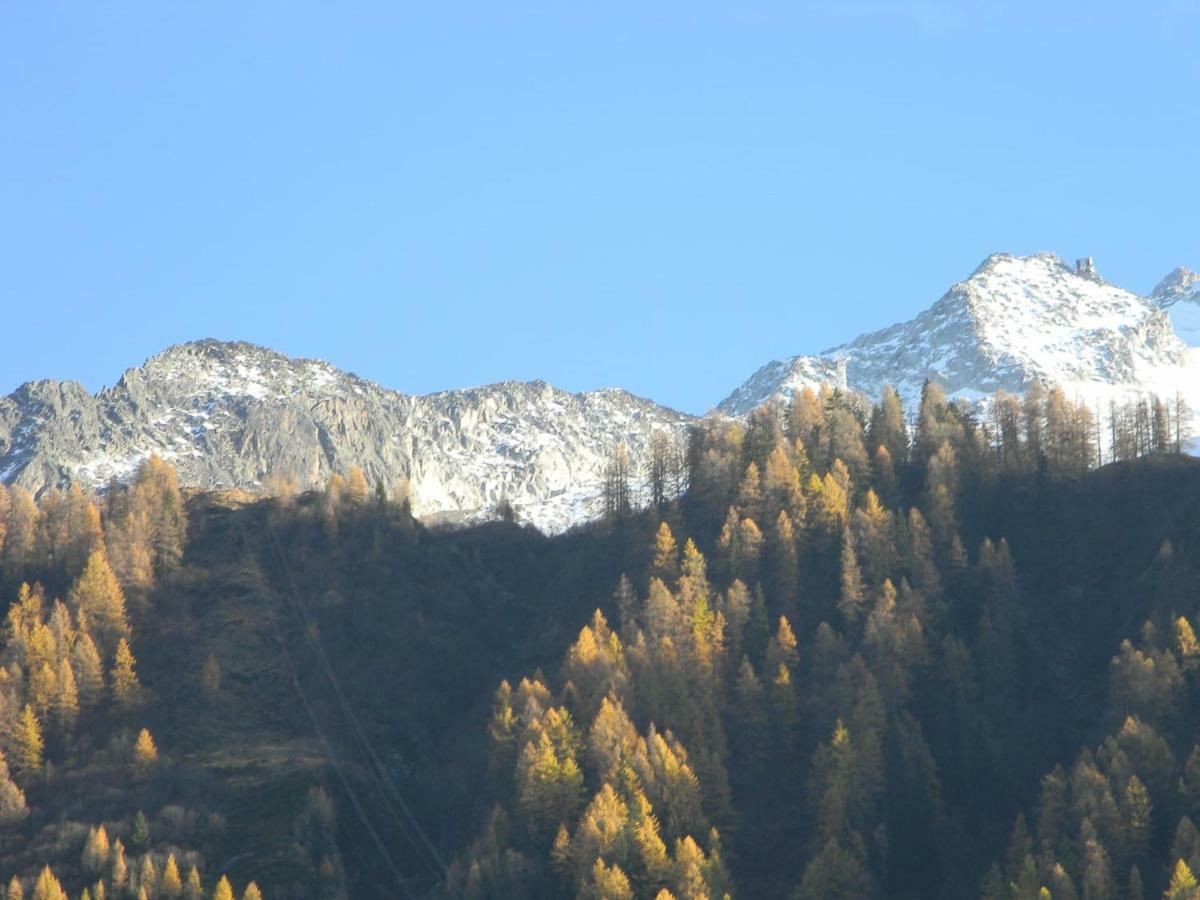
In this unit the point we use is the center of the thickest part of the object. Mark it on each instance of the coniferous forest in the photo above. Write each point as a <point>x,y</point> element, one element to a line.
<point>821,652</point>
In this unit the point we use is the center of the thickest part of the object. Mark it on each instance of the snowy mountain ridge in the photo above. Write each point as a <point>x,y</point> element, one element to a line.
<point>1179,295</point>
<point>1014,321</point>
<point>233,414</point>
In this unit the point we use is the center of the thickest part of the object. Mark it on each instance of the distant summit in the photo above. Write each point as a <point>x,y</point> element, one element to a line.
<point>1014,321</point>
<point>1179,295</point>
<point>234,414</point>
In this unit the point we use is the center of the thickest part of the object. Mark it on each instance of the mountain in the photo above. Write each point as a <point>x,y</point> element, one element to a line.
<point>1179,295</point>
<point>232,414</point>
<point>1014,321</point>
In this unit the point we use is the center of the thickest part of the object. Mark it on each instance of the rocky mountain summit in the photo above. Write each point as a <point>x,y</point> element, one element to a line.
<point>1014,321</point>
<point>1179,295</point>
<point>233,414</point>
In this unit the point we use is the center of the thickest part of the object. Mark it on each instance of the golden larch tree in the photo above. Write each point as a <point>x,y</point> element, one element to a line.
<point>170,885</point>
<point>89,671</point>
<point>123,677</point>
<point>98,599</point>
<point>194,888</point>
<point>145,754</point>
<point>27,742</point>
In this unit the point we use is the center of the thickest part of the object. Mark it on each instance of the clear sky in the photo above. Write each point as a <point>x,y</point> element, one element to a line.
<point>656,196</point>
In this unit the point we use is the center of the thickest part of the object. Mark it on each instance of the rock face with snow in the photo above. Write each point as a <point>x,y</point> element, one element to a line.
<point>1179,295</point>
<point>1014,321</point>
<point>231,415</point>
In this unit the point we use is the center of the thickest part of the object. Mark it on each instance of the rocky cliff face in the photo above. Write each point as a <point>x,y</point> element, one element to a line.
<point>231,415</point>
<point>1014,321</point>
<point>1179,295</point>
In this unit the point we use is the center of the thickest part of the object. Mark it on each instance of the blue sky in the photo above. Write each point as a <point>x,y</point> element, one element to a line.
<point>656,196</point>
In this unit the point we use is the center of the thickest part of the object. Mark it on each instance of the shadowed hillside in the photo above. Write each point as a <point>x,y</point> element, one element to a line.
<point>827,670</point>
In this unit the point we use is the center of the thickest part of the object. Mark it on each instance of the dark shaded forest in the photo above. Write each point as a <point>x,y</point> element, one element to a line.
<point>831,653</point>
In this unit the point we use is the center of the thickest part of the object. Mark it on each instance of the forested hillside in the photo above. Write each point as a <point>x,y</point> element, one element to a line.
<point>835,656</point>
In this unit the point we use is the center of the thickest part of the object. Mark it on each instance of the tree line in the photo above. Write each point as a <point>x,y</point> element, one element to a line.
<point>816,683</point>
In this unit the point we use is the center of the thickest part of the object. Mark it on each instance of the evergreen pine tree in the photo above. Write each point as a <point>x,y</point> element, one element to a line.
<point>140,835</point>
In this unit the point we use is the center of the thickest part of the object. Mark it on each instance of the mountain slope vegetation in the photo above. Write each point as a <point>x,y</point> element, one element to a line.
<point>852,659</point>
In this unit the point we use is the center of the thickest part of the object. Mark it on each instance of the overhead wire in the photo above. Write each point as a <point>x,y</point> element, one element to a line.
<point>332,755</point>
<point>425,849</point>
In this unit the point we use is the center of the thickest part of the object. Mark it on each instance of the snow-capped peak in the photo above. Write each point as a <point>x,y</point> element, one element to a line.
<point>1179,295</point>
<point>1013,321</point>
<point>1181,284</point>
